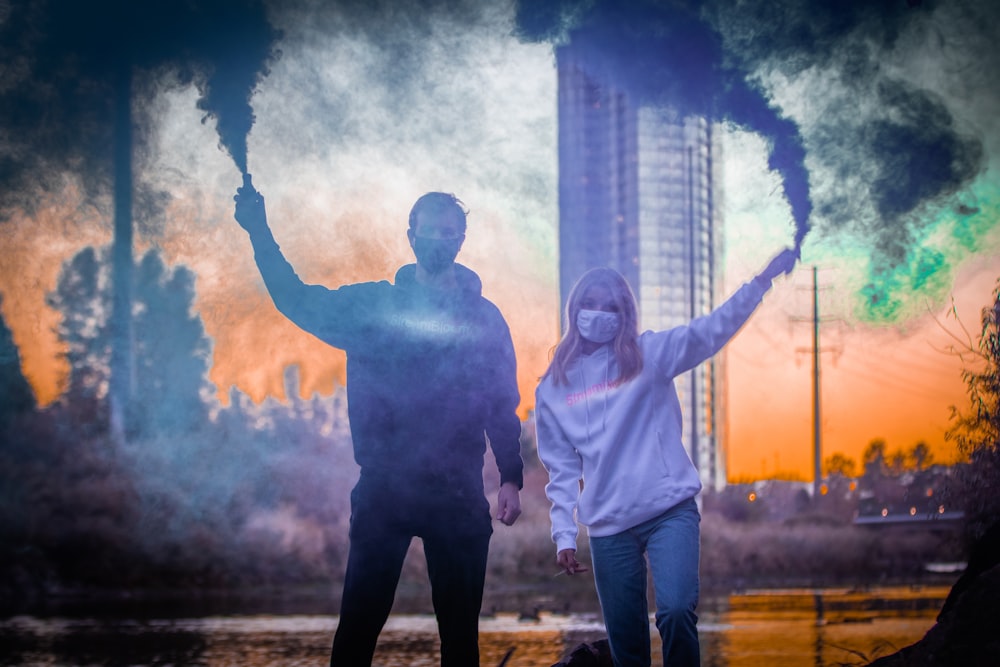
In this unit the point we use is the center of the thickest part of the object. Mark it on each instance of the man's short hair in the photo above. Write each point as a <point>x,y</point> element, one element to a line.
<point>438,203</point>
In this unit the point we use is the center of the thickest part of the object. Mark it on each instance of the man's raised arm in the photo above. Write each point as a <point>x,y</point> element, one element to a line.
<point>308,306</point>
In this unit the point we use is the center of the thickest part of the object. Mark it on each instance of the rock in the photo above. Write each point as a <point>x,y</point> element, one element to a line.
<point>967,631</point>
<point>983,555</point>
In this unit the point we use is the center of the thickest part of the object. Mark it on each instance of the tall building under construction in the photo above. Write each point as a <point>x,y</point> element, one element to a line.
<point>638,186</point>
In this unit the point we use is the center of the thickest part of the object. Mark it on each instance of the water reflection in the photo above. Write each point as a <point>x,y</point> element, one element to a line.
<point>778,628</point>
<point>821,628</point>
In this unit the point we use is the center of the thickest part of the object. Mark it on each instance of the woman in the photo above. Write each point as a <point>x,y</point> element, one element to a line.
<point>607,414</point>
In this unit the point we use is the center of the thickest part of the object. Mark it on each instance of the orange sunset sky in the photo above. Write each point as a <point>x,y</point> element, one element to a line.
<point>340,154</point>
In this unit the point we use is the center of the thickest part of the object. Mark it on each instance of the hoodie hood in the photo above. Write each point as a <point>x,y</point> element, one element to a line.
<point>468,281</point>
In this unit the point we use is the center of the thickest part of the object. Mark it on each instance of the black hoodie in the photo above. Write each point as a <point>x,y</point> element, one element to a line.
<point>430,373</point>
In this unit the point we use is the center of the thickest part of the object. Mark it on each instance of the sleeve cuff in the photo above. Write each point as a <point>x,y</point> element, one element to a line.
<point>513,479</point>
<point>565,542</point>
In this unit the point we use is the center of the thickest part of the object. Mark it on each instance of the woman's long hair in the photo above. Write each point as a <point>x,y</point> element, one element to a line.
<point>626,343</point>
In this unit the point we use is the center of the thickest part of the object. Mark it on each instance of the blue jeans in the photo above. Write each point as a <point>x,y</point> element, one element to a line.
<point>671,541</point>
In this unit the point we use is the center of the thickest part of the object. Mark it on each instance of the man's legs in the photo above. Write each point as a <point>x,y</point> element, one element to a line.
<point>672,544</point>
<point>456,566</point>
<point>373,567</point>
<point>620,576</point>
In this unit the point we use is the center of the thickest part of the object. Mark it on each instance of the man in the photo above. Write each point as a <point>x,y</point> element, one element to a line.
<point>430,376</point>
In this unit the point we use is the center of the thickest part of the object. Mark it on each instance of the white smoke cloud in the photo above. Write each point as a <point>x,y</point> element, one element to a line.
<point>365,110</point>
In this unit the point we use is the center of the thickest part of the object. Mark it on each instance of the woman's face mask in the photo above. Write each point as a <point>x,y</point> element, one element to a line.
<point>598,326</point>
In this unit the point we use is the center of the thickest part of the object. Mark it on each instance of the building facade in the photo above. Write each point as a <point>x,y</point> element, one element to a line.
<point>638,186</point>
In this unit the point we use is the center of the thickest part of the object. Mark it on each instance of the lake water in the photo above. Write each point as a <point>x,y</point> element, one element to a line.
<point>817,628</point>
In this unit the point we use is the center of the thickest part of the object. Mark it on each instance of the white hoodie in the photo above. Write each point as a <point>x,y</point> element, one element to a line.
<point>624,440</point>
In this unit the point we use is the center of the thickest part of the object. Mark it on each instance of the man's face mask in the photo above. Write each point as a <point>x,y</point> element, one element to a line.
<point>436,255</point>
<point>598,326</point>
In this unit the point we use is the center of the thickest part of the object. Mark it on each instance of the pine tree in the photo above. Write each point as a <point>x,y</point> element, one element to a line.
<point>173,353</point>
<point>16,395</point>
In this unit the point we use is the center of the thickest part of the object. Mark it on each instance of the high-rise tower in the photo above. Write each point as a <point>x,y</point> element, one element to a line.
<point>638,186</point>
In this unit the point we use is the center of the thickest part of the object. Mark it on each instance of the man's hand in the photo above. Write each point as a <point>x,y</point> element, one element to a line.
<point>250,211</point>
<point>568,562</point>
<point>782,263</point>
<point>508,503</point>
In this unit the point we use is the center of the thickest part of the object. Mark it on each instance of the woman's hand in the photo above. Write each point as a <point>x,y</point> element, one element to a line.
<point>568,562</point>
<point>781,264</point>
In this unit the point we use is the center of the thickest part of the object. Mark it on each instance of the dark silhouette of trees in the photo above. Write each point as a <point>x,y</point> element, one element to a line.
<point>173,353</point>
<point>76,102</point>
<point>838,497</point>
<point>200,494</point>
<point>920,456</point>
<point>874,458</point>
<point>83,297</point>
<point>74,503</point>
<point>838,464</point>
<point>976,430</point>
<point>878,461</point>
<point>17,402</point>
<point>16,395</point>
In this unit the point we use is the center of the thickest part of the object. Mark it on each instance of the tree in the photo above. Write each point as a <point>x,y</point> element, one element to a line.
<point>977,430</point>
<point>920,456</point>
<point>874,458</point>
<point>83,297</point>
<point>897,462</point>
<point>16,395</point>
<point>838,464</point>
<point>173,351</point>
<point>199,494</point>
<point>73,100</point>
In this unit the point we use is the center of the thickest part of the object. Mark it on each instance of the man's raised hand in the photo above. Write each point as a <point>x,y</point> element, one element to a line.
<point>250,211</point>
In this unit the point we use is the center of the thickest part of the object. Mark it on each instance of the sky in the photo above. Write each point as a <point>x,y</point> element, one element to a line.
<point>369,105</point>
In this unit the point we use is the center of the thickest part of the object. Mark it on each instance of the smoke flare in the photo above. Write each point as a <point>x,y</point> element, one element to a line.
<point>66,59</point>
<point>668,54</point>
<point>880,155</point>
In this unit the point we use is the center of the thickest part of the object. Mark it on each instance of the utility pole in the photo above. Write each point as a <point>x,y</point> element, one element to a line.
<point>121,371</point>
<point>817,431</point>
<point>817,415</point>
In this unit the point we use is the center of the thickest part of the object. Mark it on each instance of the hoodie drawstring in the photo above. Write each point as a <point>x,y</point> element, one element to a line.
<point>604,392</point>
<point>586,398</point>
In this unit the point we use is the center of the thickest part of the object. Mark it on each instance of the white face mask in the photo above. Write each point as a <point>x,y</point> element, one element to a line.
<point>598,326</point>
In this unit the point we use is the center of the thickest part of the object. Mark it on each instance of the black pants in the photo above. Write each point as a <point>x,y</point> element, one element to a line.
<point>455,528</point>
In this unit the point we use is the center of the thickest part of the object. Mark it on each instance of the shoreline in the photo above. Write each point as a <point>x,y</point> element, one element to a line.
<point>414,599</point>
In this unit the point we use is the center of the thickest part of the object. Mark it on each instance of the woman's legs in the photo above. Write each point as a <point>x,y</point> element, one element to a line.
<point>672,544</point>
<point>620,576</point>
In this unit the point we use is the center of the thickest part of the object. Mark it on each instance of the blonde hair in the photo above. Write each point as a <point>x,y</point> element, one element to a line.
<point>626,342</point>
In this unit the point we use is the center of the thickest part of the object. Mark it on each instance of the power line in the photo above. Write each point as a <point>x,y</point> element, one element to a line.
<point>895,383</point>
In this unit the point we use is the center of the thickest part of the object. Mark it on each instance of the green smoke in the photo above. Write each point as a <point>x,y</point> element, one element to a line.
<point>897,289</point>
